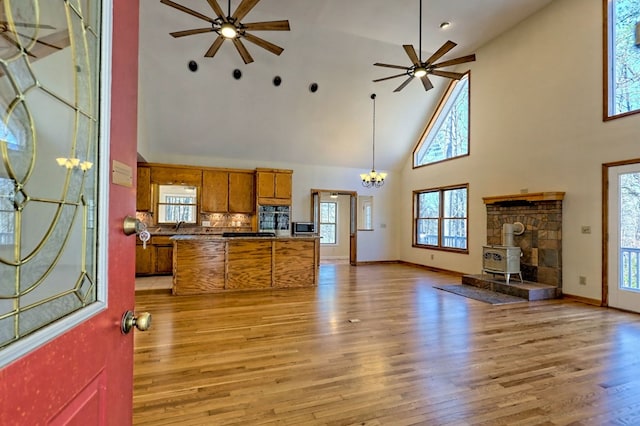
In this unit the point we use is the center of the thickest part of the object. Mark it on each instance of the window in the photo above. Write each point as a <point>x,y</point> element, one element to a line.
<point>447,134</point>
<point>328,222</point>
<point>622,48</point>
<point>177,203</point>
<point>440,218</point>
<point>7,211</point>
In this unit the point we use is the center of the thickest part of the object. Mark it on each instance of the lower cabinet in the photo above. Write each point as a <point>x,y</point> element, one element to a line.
<point>145,260</point>
<point>157,258</point>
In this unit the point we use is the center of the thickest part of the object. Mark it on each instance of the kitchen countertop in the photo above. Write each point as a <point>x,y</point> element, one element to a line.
<point>191,237</point>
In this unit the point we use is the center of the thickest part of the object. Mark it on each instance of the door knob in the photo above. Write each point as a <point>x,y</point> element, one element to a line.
<point>129,320</point>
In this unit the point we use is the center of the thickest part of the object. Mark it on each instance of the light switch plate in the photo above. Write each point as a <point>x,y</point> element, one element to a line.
<point>206,223</point>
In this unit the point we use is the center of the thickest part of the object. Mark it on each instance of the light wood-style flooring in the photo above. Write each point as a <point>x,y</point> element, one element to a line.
<point>414,355</point>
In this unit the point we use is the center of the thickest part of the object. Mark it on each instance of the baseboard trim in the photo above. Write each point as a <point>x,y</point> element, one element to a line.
<point>432,268</point>
<point>586,300</point>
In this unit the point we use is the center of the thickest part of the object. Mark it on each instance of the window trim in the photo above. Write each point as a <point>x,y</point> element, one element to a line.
<point>607,6</point>
<point>434,118</point>
<point>414,219</point>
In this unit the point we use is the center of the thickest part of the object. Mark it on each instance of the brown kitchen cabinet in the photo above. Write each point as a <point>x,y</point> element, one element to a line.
<point>274,186</point>
<point>179,175</point>
<point>227,191</point>
<point>157,258</point>
<point>145,260</point>
<point>143,189</point>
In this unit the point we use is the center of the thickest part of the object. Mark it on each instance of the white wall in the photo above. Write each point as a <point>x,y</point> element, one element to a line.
<point>536,123</point>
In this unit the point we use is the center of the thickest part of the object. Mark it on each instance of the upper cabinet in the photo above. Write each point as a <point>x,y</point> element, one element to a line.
<point>143,189</point>
<point>228,191</point>
<point>179,175</point>
<point>274,187</point>
<point>242,196</point>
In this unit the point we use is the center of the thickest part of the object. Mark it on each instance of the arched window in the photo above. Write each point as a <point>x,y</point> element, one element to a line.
<point>447,134</point>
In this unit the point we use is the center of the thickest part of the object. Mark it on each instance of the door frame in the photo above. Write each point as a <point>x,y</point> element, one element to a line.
<point>605,224</point>
<point>353,226</point>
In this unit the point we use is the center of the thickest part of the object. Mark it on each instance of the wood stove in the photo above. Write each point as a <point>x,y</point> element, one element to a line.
<point>503,260</point>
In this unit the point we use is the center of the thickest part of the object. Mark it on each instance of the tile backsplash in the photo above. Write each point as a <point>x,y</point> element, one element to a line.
<point>211,222</point>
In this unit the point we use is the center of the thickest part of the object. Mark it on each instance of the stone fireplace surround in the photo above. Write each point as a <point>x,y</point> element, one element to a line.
<point>541,242</point>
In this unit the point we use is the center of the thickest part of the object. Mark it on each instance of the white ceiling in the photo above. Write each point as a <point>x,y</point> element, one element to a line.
<point>333,43</point>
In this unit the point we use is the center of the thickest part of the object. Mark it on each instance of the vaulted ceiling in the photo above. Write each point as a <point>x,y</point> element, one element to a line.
<point>333,43</point>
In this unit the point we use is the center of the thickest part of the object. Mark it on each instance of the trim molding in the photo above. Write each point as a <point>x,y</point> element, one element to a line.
<point>586,300</point>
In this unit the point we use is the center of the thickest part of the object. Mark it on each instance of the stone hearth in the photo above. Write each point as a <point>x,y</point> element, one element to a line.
<point>541,244</point>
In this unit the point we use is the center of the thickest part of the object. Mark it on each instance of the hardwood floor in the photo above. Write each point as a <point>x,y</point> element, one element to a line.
<point>417,355</point>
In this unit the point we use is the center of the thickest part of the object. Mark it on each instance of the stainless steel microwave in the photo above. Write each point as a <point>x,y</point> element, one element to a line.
<point>303,228</point>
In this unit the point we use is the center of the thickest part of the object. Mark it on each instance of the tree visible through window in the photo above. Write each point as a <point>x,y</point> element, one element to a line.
<point>447,134</point>
<point>623,67</point>
<point>440,218</point>
<point>328,222</point>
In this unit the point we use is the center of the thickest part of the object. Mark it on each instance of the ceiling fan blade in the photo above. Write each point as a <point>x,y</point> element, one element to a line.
<point>411,52</point>
<point>268,26</point>
<point>277,50</point>
<point>400,67</point>
<point>186,10</point>
<point>244,53</point>
<point>389,78</point>
<point>441,52</point>
<point>448,74</point>
<point>244,8</point>
<point>217,9</point>
<point>191,32</point>
<point>456,61</point>
<point>15,44</point>
<point>403,85</point>
<point>214,47</point>
<point>426,82</point>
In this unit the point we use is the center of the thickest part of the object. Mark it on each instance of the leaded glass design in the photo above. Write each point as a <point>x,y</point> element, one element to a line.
<point>49,68</point>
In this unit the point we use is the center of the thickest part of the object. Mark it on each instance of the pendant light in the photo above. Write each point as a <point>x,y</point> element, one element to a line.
<point>373,179</point>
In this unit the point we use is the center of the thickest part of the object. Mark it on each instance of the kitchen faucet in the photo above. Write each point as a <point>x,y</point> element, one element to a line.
<point>179,224</point>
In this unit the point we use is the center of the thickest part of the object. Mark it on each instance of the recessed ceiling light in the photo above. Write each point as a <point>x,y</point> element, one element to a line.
<point>445,25</point>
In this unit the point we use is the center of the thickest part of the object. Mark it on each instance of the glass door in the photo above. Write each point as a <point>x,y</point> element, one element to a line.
<point>624,237</point>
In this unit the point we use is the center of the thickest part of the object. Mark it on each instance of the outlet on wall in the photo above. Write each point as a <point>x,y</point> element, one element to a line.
<point>582,280</point>
<point>585,229</point>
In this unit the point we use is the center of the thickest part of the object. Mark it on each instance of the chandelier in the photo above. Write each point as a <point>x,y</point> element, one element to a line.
<point>373,179</point>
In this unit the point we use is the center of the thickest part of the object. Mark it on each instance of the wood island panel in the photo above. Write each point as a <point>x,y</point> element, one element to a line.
<point>199,266</point>
<point>294,263</point>
<point>213,264</point>
<point>249,264</point>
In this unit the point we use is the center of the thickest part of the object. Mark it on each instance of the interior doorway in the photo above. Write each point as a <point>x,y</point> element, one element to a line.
<point>621,227</point>
<point>336,211</point>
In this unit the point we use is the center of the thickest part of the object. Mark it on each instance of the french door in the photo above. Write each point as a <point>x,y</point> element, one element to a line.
<point>623,245</point>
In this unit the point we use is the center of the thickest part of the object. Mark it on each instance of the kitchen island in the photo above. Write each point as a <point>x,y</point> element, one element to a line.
<point>215,263</point>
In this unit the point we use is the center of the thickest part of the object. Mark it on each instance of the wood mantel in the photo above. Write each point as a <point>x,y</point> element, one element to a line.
<point>529,197</point>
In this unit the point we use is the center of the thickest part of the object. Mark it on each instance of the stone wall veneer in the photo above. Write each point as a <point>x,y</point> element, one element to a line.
<point>541,242</point>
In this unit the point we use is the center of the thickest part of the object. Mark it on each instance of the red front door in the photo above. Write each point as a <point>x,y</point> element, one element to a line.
<point>84,376</point>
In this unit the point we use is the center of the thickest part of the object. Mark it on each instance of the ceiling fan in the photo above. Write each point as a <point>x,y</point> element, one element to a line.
<point>229,27</point>
<point>420,69</point>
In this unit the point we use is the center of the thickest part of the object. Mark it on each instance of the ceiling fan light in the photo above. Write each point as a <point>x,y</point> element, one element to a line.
<point>420,72</point>
<point>228,30</point>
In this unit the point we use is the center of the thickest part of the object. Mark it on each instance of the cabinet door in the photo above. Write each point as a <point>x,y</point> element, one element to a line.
<point>266,184</point>
<point>176,175</point>
<point>143,190</point>
<point>241,193</point>
<point>283,185</point>
<point>215,191</point>
<point>145,260</point>
<point>164,260</point>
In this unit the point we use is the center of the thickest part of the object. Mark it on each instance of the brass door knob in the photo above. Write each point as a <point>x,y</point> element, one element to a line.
<point>129,320</point>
